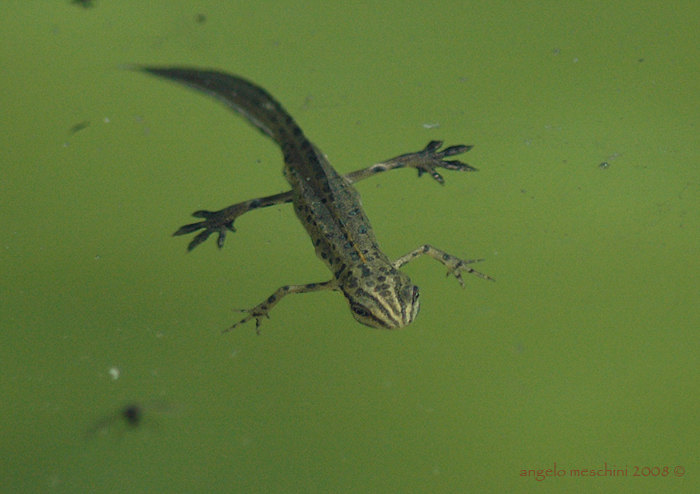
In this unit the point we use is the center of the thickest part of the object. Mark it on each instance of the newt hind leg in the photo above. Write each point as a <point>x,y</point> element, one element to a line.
<point>427,160</point>
<point>221,222</point>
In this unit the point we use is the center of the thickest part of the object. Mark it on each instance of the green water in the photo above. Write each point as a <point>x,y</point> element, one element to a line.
<point>585,352</point>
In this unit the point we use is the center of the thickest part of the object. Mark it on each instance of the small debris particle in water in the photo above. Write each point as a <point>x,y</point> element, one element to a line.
<point>86,4</point>
<point>114,372</point>
<point>132,414</point>
<point>604,165</point>
<point>129,416</point>
<point>80,126</point>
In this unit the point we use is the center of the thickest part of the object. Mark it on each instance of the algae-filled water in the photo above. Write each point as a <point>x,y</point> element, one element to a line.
<point>584,354</point>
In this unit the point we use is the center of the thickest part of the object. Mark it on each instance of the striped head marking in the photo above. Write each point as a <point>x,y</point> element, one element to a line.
<point>383,300</point>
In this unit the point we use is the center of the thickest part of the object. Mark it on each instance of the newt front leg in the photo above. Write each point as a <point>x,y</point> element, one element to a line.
<point>262,310</point>
<point>455,265</point>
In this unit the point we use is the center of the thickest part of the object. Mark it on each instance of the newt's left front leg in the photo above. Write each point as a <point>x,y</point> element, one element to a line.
<point>454,264</point>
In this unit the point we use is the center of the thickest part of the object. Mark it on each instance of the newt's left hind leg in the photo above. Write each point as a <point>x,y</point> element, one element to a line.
<point>427,160</point>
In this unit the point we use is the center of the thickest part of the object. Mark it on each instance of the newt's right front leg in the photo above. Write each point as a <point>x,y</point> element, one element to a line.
<point>261,310</point>
<point>222,221</point>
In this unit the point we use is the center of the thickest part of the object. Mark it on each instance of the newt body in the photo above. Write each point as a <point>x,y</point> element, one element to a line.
<point>328,206</point>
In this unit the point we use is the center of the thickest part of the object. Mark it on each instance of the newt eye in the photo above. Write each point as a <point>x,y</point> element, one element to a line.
<point>360,311</point>
<point>416,294</point>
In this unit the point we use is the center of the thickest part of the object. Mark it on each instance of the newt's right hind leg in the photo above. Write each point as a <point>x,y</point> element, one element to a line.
<point>221,221</point>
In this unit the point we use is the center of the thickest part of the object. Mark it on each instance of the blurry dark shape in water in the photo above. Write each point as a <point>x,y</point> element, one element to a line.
<point>129,417</point>
<point>132,414</point>
<point>201,18</point>
<point>86,4</point>
<point>80,126</point>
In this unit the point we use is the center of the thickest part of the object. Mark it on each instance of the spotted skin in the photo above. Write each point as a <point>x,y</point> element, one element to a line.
<point>328,206</point>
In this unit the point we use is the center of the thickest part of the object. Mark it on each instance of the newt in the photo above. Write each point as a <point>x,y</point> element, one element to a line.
<point>328,206</point>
